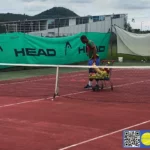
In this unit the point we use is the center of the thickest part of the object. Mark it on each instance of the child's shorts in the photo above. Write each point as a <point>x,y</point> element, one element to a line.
<point>90,63</point>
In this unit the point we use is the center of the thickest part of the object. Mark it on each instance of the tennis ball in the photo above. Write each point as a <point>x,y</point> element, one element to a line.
<point>108,62</point>
<point>146,139</point>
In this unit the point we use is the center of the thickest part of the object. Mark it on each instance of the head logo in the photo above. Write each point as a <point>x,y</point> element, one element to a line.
<point>68,45</point>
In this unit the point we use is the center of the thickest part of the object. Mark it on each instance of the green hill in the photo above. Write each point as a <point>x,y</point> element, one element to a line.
<point>51,13</point>
<point>55,12</point>
<point>13,17</point>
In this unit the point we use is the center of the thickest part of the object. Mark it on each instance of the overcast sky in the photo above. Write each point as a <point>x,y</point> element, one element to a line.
<point>138,9</point>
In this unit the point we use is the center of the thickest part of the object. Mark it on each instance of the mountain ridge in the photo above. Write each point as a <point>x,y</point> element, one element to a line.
<point>55,12</point>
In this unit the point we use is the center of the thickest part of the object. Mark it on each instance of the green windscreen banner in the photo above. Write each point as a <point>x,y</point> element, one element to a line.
<point>20,48</point>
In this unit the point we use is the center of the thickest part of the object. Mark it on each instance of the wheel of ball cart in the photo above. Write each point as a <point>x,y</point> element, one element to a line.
<point>93,88</point>
<point>111,84</point>
<point>112,88</point>
<point>102,86</point>
<point>97,88</point>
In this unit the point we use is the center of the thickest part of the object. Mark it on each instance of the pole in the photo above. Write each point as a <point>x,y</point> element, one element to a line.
<point>141,26</point>
<point>57,17</point>
<point>6,30</point>
<point>56,83</point>
<point>24,23</point>
<point>58,26</point>
<point>111,34</point>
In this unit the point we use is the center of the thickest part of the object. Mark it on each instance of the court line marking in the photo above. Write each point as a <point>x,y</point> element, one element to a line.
<point>25,102</point>
<point>126,84</point>
<point>29,79</point>
<point>104,135</point>
<point>34,80</point>
<point>37,100</point>
<point>42,99</point>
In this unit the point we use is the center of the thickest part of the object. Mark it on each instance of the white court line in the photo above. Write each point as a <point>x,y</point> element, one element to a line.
<point>132,83</point>
<point>37,100</point>
<point>42,99</point>
<point>25,102</point>
<point>47,78</point>
<point>104,135</point>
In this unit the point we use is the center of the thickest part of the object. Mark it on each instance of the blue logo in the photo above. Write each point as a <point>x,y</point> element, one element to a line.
<point>136,139</point>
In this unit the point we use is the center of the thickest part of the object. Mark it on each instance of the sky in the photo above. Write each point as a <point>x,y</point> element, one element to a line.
<point>137,9</point>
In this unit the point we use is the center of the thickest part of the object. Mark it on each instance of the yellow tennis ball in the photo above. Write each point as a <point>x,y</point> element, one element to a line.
<point>146,139</point>
<point>108,62</point>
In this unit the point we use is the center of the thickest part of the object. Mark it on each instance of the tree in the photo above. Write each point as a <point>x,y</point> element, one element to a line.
<point>128,27</point>
<point>133,20</point>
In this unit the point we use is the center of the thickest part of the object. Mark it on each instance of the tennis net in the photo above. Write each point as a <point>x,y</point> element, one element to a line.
<point>124,84</point>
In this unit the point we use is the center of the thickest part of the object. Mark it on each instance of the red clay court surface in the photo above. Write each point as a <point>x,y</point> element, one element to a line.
<point>78,119</point>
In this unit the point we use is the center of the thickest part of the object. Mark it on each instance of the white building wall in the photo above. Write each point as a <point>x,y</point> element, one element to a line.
<point>100,26</point>
<point>119,22</point>
<point>90,20</point>
<point>72,21</point>
<point>107,18</point>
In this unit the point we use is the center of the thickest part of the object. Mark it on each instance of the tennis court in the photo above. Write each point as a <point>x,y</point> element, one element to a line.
<point>76,120</point>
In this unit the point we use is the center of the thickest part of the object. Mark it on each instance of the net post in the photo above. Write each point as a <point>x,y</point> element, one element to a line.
<point>56,83</point>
